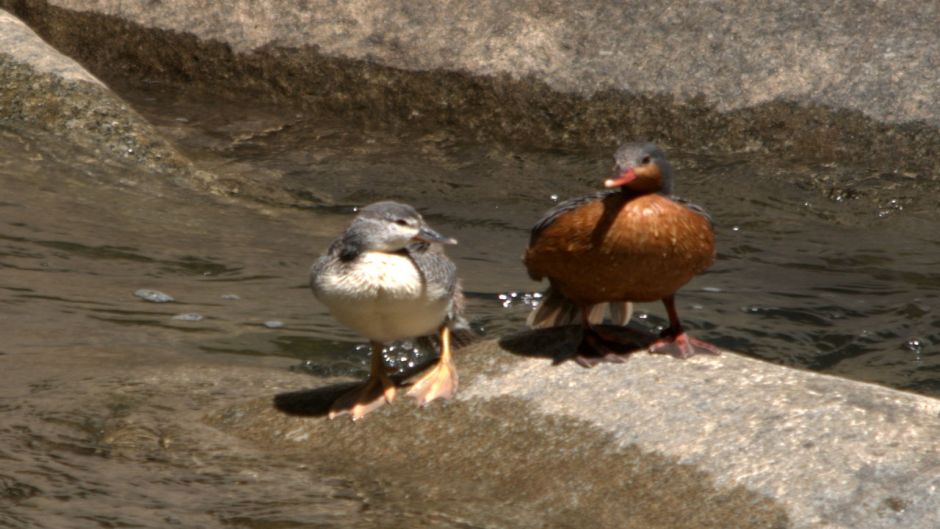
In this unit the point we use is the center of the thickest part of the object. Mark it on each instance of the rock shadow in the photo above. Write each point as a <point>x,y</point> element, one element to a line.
<point>316,402</point>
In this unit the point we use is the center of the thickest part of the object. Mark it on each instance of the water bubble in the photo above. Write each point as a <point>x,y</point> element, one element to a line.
<point>189,316</point>
<point>914,345</point>
<point>711,289</point>
<point>153,296</point>
<point>231,297</point>
<point>735,228</point>
<point>889,208</point>
<point>510,299</point>
<point>554,198</point>
<point>273,324</point>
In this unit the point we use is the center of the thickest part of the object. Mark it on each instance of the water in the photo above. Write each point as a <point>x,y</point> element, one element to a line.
<point>821,266</point>
<point>827,266</point>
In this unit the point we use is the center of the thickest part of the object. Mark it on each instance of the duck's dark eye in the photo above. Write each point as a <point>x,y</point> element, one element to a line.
<point>401,222</point>
<point>645,160</point>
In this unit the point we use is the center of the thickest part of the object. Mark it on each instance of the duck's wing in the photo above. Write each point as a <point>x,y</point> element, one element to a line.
<point>563,207</point>
<point>694,208</point>
<point>438,272</point>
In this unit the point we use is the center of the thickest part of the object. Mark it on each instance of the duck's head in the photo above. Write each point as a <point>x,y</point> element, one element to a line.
<point>641,168</point>
<point>390,226</point>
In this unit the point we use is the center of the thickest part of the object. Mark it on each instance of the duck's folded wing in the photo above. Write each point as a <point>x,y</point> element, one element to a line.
<point>693,207</point>
<point>563,207</point>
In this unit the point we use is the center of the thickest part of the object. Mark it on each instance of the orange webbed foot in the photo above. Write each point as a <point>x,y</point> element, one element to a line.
<point>439,382</point>
<point>359,401</point>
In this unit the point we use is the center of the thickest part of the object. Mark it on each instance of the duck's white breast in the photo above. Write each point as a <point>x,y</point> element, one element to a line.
<point>382,296</point>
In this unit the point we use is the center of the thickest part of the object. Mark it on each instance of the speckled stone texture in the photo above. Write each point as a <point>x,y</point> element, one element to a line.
<point>846,80</point>
<point>877,57</point>
<point>654,442</point>
<point>40,87</point>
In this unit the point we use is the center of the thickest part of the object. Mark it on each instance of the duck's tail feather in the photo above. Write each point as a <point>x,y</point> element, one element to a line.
<point>556,310</point>
<point>620,312</point>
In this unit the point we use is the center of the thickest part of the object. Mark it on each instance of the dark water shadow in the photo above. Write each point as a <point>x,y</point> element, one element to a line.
<point>560,344</point>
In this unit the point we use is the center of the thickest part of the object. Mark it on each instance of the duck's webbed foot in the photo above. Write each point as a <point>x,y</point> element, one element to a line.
<point>361,400</point>
<point>596,347</point>
<point>679,344</point>
<point>440,382</point>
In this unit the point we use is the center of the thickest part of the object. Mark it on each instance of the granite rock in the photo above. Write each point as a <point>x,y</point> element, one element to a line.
<point>41,88</point>
<point>709,442</point>
<point>802,81</point>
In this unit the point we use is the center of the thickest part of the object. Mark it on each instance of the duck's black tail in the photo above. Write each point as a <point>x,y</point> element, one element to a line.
<point>556,310</point>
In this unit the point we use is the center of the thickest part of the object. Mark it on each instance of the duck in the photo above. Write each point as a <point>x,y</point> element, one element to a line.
<point>632,242</point>
<point>387,278</point>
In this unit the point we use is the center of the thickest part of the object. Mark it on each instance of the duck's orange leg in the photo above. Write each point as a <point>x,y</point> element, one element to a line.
<point>441,380</point>
<point>378,389</point>
<point>675,341</point>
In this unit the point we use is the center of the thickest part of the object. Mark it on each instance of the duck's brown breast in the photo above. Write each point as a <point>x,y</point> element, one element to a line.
<point>619,248</point>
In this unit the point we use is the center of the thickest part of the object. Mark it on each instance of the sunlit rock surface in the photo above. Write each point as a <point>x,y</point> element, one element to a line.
<point>43,88</point>
<point>821,81</point>
<point>653,442</point>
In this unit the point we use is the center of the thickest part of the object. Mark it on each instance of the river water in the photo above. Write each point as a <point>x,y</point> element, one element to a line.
<point>824,266</point>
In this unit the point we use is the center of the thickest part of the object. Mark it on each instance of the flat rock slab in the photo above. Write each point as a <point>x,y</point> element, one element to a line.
<point>654,442</point>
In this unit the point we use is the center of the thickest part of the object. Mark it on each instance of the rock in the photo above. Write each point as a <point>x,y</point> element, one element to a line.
<point>723,75</point>
<point>189,316</point>
<point>40,87</point>
<point>654,442</point>
<point>153,296</point>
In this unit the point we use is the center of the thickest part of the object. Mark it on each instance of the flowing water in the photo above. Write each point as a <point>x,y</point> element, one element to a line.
<point>821,266</point>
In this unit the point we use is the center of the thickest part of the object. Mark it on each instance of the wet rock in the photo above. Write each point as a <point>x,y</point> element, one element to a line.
<point>654,442</point>
<point>189,316</point>
<point>724,75</point>
<point>153,296</point>
<point>40,87</point>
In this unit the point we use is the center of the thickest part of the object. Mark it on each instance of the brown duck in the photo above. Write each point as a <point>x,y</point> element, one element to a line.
<point>631,243</point>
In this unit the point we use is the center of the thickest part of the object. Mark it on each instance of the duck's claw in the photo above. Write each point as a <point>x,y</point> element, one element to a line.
<point>682,346</point>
